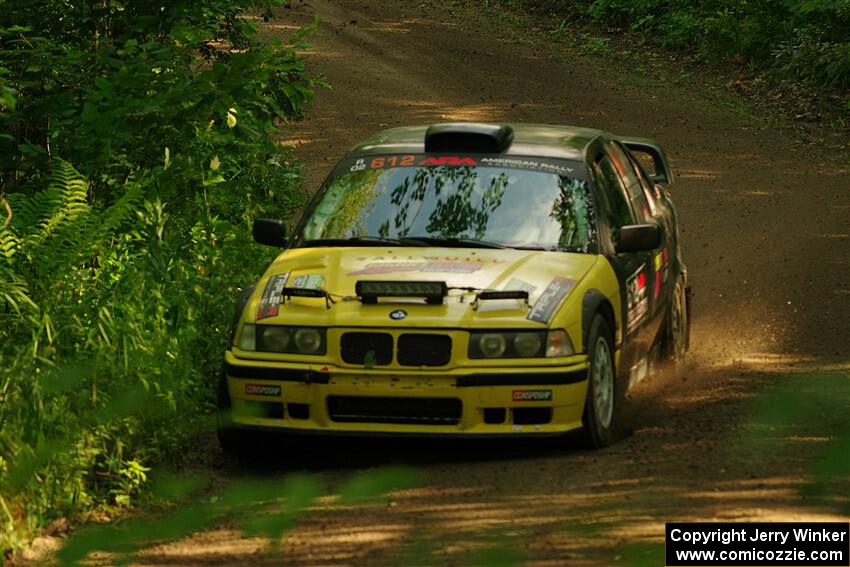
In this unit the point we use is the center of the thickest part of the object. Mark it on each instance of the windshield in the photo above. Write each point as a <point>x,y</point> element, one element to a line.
<point>452,205</point>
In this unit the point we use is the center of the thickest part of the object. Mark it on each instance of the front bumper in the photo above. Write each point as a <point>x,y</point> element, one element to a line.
<point>461,402</point>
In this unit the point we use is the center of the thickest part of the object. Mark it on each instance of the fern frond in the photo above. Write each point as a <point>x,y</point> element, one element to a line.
<point>9,244</point>
<point>117,214</point>
<point>15,291</point>
<point>57,232</point>
<point>55,223</point>
<point>30,209</point>
<point>71,189</point>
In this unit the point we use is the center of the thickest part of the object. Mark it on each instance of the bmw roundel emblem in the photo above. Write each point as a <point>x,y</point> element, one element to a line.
<point>398,314</point>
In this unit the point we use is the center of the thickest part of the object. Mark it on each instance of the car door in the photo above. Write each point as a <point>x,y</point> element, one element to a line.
<point>664,215</point>
<point>646,211</point>
<point>632,269</point>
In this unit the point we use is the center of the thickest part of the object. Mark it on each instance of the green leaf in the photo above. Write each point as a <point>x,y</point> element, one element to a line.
<point>214,180</point>
<point>105,87</point>
<point>7,99</point>
<point>32,151</point>
<point>177,486</point>
<point>67,378</point>
<point>89,113</point>
<point>298,492</point>
<point>376,484</point>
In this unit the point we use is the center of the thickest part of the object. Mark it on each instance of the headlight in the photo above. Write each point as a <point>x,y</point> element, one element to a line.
<point>277,339</point>
<point>520,344</point>
<point>528,344</point>
<point>274,338</point>
<point>309,341</point>
<point>492,345</point>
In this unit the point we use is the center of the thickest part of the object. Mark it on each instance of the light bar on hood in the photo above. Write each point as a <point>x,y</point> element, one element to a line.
<point>503,294</point>
<point>370,291</point>
<point>303,292</point>
<point>289,292</point>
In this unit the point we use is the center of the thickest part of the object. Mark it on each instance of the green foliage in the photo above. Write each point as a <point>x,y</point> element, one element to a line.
<point>641,554</point>
<point>375,485</point>
<point>800,406</point>
<point>136,145</point>
<point>114,105</point>
<point>7,97</point>
<point>805,41</point>
<point>258,507</point>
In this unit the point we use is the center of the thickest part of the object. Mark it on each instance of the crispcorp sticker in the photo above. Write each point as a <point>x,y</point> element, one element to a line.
<point>532,395</point>
<point>262,390</point>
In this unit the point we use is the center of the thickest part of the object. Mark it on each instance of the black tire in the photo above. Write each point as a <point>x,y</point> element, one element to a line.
<point>232,441</point>
<point>603,403</point>
<point>677,326</point>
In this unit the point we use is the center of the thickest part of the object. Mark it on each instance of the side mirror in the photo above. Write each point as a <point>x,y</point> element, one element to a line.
<point>271,232</point>
<point>649,149</point>
<point>639,238</point>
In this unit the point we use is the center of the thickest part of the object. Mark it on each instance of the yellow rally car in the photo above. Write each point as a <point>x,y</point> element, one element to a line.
<point>464,279</point>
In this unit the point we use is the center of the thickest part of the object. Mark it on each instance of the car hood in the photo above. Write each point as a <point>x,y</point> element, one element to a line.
<point>547,276</point>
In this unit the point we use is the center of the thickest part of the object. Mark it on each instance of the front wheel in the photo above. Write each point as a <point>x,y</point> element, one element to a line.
<point>234,442</point>
<point>602,407</point>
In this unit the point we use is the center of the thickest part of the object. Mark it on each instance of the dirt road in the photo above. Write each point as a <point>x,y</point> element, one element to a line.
<point>765,221</point>
<point>766,227</point>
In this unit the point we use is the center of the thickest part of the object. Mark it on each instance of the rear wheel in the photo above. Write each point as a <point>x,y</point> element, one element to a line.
<point>603,402</point>
<point>677,325</point>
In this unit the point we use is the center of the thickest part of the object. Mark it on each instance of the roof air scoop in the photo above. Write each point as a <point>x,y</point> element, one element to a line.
<point>468,137</point>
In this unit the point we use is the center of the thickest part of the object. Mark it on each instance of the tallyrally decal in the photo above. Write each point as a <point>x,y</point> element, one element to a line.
<point>270,301</point>
<point>532,395</point>
<point>549,300</point>
<point>262,390</point>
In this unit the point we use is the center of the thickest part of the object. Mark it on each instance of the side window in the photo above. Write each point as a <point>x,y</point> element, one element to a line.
<point>630,178</point>
<point>649,189</point>
<point>618,212</point>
